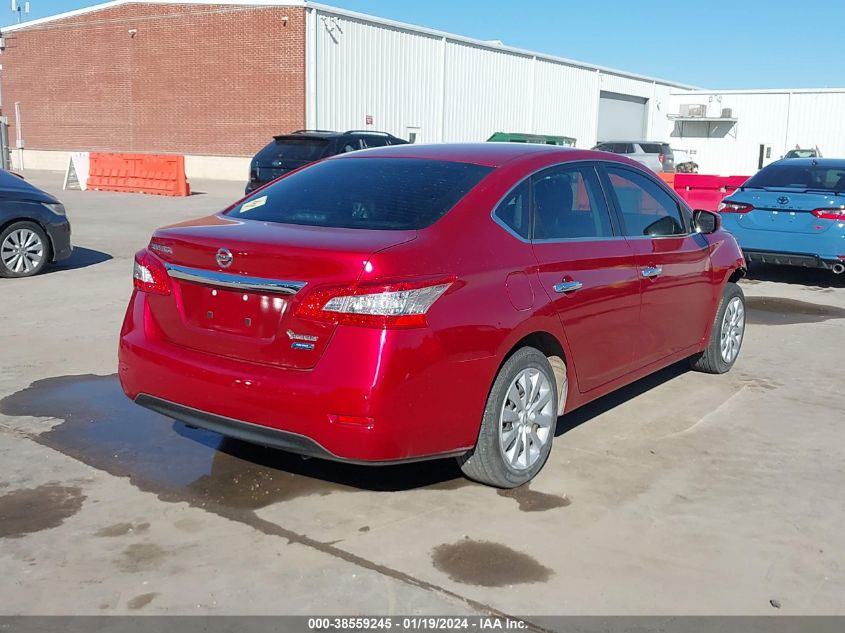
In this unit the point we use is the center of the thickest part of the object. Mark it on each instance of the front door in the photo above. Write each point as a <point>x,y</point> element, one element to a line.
<point>587,270</point>
<point>673,264</point>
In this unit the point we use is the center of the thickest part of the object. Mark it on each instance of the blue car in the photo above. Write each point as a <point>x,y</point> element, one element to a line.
<point>791,212</point>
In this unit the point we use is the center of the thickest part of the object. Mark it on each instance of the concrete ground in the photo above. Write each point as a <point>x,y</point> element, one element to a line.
<point>683,494</point>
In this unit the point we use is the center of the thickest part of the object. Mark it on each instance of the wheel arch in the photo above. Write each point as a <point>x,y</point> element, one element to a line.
<point>4,224</point>
<point>554,351</point>
<point>736,274</point>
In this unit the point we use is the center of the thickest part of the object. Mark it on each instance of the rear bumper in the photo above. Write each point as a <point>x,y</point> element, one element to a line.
<point>790,259</point>
<point>417,402</point>
<point>259,434</point>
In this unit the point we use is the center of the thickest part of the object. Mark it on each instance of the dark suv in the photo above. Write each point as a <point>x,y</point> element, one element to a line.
<point>287,152</point>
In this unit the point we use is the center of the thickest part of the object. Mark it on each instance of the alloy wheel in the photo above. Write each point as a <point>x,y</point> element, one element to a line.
<point>733,328</point>
<point>22,251</point>
<point>526,421</point>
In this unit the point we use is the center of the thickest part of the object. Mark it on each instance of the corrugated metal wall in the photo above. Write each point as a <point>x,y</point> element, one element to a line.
<point>365,69</point>
<point>486,91</point>
<point>778,119</point>
<point>451,89</point>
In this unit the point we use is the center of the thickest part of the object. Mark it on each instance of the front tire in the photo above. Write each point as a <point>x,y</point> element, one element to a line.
<point>24,250</point>
<point>727,335</point>
<point>518,425</point>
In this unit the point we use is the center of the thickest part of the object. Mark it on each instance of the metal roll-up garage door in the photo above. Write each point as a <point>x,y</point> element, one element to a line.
<point>621,117</point>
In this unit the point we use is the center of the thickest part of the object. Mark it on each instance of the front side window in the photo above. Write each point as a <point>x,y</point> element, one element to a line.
<point>569,204</point>
<point>364,193</point>
<point>645,207</point>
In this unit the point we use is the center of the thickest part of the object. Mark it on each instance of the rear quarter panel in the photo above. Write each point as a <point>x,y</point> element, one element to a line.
<point>476,323</point>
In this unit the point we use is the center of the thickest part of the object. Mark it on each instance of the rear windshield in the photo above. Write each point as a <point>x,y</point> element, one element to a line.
<point>791,176</point>
<point>651,148</point>
<point>294,149</point>
<point>365,193</point>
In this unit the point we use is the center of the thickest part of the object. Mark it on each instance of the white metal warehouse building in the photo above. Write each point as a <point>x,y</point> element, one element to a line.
<point>453,88</point>
<point>362,71</point>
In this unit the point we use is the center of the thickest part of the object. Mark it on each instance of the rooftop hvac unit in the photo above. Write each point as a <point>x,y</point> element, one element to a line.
<point>694,110</point>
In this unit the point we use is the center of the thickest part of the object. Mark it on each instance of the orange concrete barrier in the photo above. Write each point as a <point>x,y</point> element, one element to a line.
<point>157,174</point>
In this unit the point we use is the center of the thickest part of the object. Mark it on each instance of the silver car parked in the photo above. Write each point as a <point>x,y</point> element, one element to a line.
<point>656,156</point>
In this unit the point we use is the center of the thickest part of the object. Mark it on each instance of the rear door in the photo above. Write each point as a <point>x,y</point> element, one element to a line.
<point>588,271</point>
<point>673,263</point>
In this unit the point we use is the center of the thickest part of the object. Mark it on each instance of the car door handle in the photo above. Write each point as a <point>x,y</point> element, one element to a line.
<point>651,271</point>
<point>568,286</point>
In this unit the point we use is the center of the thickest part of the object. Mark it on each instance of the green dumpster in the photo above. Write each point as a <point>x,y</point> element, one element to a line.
<point>542,139</point>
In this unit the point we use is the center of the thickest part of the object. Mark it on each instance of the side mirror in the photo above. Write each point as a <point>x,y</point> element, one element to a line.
<point>706,222</point>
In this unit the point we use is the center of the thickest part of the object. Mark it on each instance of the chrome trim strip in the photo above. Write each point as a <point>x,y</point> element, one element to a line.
<point>238,282</point>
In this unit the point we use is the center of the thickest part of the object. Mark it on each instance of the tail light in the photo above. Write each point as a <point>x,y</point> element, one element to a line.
<point>661,157</point>
<point>149,275</point>
<point>397,305</point>
<point>734,207</point>
<point>829,214</point>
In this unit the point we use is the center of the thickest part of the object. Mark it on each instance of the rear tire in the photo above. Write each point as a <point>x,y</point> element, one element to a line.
<point>24,250</point>
<point>518,425</point>
<point>727,334</point>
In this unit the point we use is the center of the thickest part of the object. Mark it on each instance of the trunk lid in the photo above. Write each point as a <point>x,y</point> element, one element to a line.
<point>786,210</point>
<point>246,310</point>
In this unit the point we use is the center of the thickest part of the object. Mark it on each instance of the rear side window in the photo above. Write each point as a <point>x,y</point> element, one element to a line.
<point>804,176</point>
<point>513,210</point>
<point>645,207</point>
<point>375,141</point>
<point>652,148</point>
<point>291,149</point>
<point>350,145</point>
<point>569,204</point>
<point>623,148</point>
<point>365,193</point>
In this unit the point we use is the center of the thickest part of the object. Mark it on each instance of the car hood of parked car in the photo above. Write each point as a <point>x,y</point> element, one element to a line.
<point>15,188</point>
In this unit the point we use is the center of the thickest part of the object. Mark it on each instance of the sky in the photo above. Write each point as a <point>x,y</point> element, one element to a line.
<point>711,44</point>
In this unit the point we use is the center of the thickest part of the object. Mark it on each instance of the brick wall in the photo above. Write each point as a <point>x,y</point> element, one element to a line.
<point>195,79</point>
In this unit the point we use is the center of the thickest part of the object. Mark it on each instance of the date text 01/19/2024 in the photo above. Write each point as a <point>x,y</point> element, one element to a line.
<point>415,623</point>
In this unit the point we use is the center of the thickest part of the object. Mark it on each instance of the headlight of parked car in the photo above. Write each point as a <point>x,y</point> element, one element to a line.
<point>57,208</point>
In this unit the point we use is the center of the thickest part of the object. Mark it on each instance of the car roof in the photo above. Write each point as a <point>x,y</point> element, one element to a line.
<point>488,154</point>
<point>836,163</point>
<point>649,142</point>
<point>325,134</point>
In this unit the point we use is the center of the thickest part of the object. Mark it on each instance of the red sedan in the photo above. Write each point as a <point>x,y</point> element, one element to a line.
<point>414,302</point>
